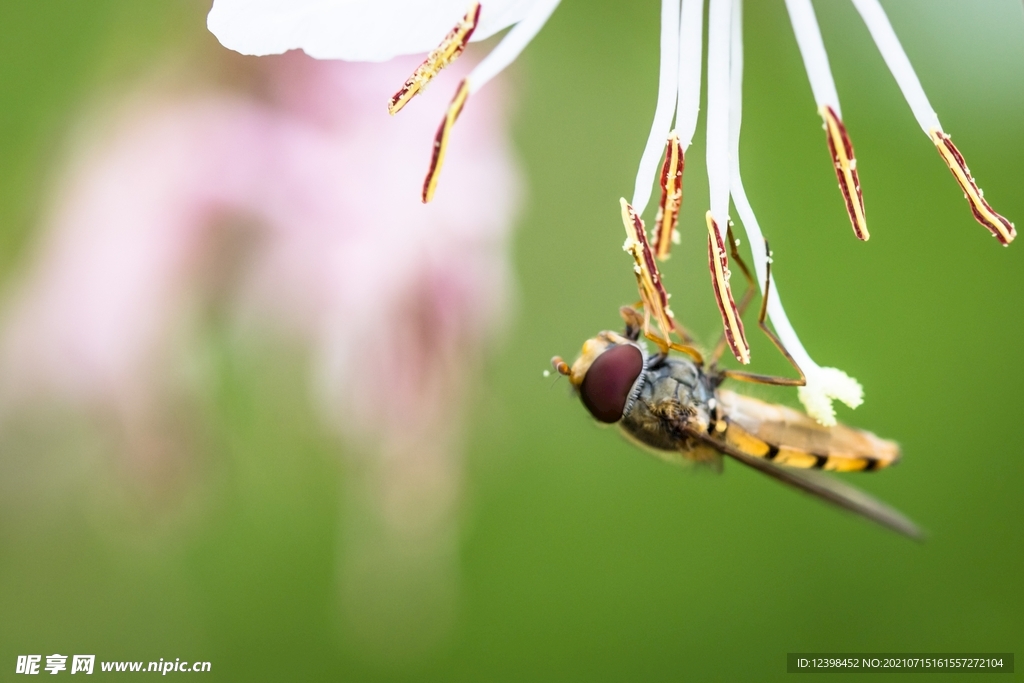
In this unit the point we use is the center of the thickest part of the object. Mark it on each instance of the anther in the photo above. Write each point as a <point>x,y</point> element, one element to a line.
<point>671,197</point>
<point>841,149</point>
<point>441,140</point>
<point>648,278</point>
<point>719,265</point>
<point>983,213</point>
<point>440,57</point>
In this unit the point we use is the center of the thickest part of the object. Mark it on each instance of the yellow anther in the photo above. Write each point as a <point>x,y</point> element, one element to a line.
<point>440,57</point>
<point>841,149</point>
<point>441,140</point>
<point>719,265</point>
<point>671,197</point>
<point>983,213</point>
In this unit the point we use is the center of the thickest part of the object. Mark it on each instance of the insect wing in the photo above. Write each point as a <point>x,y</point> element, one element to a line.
<point>823,487</point>
<point>789,437</point>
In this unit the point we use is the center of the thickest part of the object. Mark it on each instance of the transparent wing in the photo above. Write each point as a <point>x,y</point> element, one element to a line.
<point>823,487</point>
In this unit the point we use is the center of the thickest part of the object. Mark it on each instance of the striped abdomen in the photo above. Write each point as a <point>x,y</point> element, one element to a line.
<point>791,438</point>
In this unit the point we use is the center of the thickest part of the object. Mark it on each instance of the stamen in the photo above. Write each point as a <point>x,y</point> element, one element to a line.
<point>841,148</point>
<point>823,384</point>
<point>648,278</point>
<point>718,118</point>
<point>719,264</point>
<point>691,54</point>
<point>896,59</point>
<point>668,81</point>
<point>1003,229</point>
<point>812,50</point>
<point>667,221</point>
<point>441,139</point>
<point>440,57</point>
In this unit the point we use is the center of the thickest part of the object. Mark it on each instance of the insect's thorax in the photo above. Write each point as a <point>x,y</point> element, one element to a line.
<point>675,392</point>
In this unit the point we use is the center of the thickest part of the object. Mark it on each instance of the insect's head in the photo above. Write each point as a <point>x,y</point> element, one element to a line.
<point>608,375</point>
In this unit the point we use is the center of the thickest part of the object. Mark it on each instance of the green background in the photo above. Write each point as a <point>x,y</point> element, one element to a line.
<point>582,558</point>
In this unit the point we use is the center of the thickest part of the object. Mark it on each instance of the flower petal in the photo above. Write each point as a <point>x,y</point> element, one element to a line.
<point>353,30</point>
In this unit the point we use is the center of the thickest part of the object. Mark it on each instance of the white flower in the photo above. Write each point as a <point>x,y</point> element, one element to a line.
<point>353,30</point>
<point>680,85</point>
<point>376,29</point>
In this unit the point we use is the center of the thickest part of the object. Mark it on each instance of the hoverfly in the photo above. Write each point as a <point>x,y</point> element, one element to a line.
<point>676,407</point>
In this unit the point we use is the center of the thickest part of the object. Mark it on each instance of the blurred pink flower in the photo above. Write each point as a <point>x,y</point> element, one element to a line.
<point>394,299</point>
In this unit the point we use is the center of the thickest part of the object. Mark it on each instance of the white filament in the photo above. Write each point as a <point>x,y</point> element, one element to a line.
<point>812,49</point>
<point>719,30</point>
<point>896,59</point>
<point>823,384</point>
<point>667,82</point>
<point>691,48</point>
<point>512,44</point>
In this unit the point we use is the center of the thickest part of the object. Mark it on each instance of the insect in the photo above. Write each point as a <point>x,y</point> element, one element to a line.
<point>675,406</point>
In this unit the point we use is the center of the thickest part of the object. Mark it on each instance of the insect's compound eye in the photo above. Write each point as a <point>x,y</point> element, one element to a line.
<point>606,385</point>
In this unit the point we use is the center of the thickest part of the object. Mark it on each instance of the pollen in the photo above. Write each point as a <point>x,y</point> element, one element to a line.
<point>719,265</point>
<point>441,140</point>
<point>825,385</point>
<point>667,219</point>
<point>444,54</point>
<point>983,213</point>
<point>841,149</point>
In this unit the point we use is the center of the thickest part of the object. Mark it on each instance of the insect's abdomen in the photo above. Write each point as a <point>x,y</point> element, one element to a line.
<point>787,437</point>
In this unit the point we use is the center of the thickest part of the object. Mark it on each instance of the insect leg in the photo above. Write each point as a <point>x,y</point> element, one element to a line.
<point>665,345</point>
<point>637,323</point>
<point>769,379</point>
<point>634,322</point>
